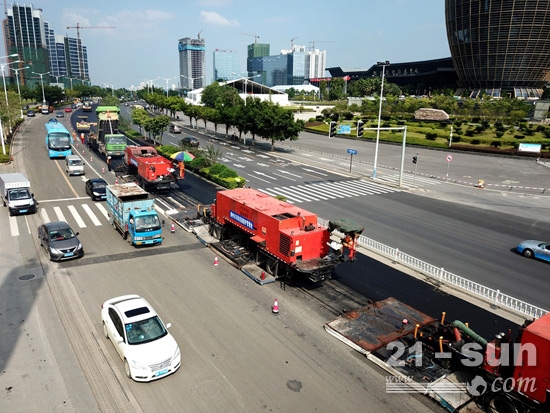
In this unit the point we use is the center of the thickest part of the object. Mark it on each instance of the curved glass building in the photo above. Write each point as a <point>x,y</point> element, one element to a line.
<point>500,47</point>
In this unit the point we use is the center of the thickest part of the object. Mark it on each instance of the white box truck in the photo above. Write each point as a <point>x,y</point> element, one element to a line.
<point>15,190</point>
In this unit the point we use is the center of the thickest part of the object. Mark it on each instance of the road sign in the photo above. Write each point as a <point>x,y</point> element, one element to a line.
<point>449,158</point>
<point>352,151</point>
<point>344,129</point>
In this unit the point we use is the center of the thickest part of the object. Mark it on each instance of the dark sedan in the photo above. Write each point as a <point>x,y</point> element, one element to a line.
<point>31,113</point>
<point>190,141</point>
<point>60,241</point>
<point>96,188</point>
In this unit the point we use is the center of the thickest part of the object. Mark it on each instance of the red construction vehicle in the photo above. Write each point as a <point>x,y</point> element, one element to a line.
<point>450,362</point>
<point>256,229</point>
<point>150,170</point>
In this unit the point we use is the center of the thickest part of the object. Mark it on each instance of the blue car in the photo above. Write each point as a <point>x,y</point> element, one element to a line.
<point>535,249</point>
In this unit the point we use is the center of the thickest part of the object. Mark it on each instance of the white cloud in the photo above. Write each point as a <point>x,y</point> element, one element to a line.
<point>211,17</point>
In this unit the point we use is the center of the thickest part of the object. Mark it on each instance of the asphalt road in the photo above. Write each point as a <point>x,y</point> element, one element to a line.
<point>236,355</point>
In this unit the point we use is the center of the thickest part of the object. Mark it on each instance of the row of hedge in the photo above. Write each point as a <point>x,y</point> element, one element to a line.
<point>217,172</point>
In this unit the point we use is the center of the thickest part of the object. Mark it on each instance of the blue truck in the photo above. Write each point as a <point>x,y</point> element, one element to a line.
<point>132,212</point>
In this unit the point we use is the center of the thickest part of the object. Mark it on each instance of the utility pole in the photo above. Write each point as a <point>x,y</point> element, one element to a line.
<point>79,45</point>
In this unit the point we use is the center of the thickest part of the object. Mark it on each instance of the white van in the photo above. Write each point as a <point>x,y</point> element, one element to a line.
<point>74,165</point>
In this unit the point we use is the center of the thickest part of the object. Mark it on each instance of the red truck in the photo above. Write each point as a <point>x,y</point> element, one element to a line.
<point>274,235</point>
<point>148,169</point>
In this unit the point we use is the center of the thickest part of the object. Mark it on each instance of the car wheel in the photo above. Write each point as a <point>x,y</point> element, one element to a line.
<point>127,369</point>
<point>528,253</point>
<point>105,332</point>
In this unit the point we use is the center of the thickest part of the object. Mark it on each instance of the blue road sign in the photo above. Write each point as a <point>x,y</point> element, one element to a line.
<point>352,151</point>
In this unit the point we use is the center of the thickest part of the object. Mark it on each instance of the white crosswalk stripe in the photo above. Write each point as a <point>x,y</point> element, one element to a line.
<point>327,190</point>
<point>92,216</point>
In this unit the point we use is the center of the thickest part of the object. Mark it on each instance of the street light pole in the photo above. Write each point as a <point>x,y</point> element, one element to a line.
<point>6,91</point>
<point>1,127</point>
<point>18,88</point>
<point>167,79</point>
<point>42,84</point>
<point>384,64</point>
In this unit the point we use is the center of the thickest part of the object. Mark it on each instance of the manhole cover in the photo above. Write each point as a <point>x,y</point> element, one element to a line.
<point>26,277</point>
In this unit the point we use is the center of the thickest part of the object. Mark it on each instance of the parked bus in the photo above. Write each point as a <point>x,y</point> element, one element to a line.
<point>58,139</point>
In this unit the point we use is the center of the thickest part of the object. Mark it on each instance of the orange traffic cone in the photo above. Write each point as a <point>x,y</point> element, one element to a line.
<point>216,262</point>
<point>83,152</point>
<point>91,159</point>
<point>116,181</point>
<point>102,170</point>
<point>275,308</point>
<point>173,228</point>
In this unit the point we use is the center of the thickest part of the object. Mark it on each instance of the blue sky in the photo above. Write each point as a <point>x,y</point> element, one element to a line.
<point>143,44</point>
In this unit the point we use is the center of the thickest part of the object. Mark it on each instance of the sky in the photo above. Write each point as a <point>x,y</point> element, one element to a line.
<point>143,43</point>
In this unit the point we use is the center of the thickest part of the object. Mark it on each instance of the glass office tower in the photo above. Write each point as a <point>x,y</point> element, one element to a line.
<point>500,47</point>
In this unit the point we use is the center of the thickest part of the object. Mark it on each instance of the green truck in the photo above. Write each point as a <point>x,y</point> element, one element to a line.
<point>108,140</point>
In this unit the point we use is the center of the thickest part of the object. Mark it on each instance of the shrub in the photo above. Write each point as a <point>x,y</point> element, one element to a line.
<point>496,144</point>
<point>499,133</point>
<point>475,142</point>
<point>469,132</point>
<point>519,136</point>
<point>479,129</point>
<point>547,133</point>
<point>431,136</point>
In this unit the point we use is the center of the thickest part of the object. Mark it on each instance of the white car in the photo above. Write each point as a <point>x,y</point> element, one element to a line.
<point>141,339</point>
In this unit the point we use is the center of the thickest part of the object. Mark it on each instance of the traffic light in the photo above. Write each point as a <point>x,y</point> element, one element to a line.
<point>332,131</point>
<point>359,129</point>
<point>415,159</point>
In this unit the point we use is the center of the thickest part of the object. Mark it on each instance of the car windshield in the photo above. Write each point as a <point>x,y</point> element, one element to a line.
<point>75,162</point>
<point>145,331</point>
<point>62,234</point>
<point>147,223</point>
<point>15,194</point>
<point>99,185</point>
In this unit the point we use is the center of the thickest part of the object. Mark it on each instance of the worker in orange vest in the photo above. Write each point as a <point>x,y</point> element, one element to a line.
<point>181,166</point>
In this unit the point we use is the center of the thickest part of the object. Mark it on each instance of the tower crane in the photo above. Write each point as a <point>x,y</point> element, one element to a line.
<point>292,42</point>
<point>255,36</point>
<point>79,44</point>
<point>319,41</point>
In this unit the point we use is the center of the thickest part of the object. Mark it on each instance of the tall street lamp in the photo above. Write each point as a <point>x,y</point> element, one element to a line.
<point>1,127</point>
<point>18,88</point>
<point>383,64</point>
<point>167,79</point>
<point>192,79</point>
<point>42,84</point>
<point>3,66</point>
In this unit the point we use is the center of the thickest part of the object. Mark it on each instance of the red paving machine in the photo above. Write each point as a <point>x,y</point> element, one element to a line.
<point>147,168</point>
<point>450,362</point>
<point>262,234</point>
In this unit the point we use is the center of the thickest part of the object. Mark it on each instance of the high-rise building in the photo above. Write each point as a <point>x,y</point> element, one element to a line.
<point>226,65</point>
<point>255,50</point>
<point>500,47</point>
<point>25,34</point>
<point>54,56</point>
<point>192,67</point>
<point>316,61</point>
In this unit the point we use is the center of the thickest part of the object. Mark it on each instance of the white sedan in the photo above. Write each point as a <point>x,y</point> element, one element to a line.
<point>148,350</point>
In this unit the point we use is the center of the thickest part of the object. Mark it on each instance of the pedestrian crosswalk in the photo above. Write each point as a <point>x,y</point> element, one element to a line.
<point>327,190</point>
<point>409,180</point>
<point>80,215</point>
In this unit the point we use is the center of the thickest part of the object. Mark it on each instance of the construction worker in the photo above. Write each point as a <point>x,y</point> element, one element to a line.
<point>82,138</point>
<point>181,167</point>
<point>109,162</point>
<point>349,242</point>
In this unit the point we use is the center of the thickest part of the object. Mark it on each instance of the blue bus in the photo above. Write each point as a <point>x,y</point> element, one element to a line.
<point>58,139</point>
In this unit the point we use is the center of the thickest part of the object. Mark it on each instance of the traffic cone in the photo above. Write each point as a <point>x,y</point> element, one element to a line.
<point>262,277</point>
<point>102,170</point>
<point>91,159</point>
<point>275,308</point>
<point>216,262</point>
<point>83,152</point>
<point>173,228</point>
<point>116,181</point>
